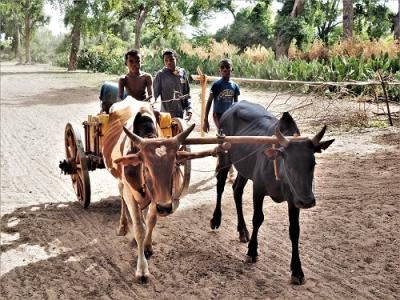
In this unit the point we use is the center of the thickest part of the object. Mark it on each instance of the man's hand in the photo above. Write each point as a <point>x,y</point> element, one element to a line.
<point>188,116</point>
<point>206,126</point>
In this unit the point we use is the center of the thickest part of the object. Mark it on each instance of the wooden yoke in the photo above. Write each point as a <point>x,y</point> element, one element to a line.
<point>185,155</point>
<point>239,140</point>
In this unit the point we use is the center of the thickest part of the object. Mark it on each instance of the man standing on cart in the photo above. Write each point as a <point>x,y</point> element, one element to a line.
<point>172,84</point>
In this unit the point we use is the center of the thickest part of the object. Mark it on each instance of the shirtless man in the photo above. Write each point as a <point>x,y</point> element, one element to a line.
<point>136,82</point>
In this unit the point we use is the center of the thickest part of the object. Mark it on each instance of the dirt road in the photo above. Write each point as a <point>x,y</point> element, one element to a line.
<point>53,249</point>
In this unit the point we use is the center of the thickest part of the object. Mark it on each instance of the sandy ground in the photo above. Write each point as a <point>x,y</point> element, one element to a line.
<point>53,249</point>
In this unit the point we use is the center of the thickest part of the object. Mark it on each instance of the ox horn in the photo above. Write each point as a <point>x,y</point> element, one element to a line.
<point>318,137</point>
<point>135,138</point>
<point>281,139</point>
<point>180,138</point>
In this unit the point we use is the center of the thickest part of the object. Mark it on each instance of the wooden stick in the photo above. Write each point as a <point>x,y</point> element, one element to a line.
<point>238,140</point>
<point>275,166</point>
<point>185,155</point>
<point>203,83</point>
<point>383,83</point>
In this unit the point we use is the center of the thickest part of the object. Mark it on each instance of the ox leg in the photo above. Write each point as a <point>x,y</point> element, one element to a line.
<point>222,174</point>
<point>151,220</point>
<point>294,233</point>
<point>238,187</point>
<point>258,219</point>
<point>123,220</point>
<point>142,269</point>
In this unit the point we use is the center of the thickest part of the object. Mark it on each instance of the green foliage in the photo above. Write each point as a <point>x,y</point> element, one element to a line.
<point>106,57</point>
<point>371,19</point>
<point>324,15</point>
<point>44,46</point>
<point>201,39</point>
<point>19,19</point>
<point>252,26</point>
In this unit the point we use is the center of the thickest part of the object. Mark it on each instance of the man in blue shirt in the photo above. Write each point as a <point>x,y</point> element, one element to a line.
<point>224,92</point>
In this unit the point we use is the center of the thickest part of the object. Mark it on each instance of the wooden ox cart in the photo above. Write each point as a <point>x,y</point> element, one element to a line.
<point>85,154</point>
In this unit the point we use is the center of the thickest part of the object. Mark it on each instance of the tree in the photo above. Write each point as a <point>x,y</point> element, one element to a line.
<point>77,16</point>
<point>289,24</point>
<point>348,19</point>
<point>324,15</point>
<point>11,25</point>
<point>372,18</point>
<point>87,17</point>
<point>252,26</point>
<point>396,23</point>
<point>164,16</point>
<point>25,17</point>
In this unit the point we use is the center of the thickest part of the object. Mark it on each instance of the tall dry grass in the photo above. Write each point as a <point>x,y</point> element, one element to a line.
<point>349,48</point>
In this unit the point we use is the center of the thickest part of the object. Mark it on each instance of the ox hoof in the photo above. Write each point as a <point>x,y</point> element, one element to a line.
<point>121,231</point>
<point>215,223</point>
<point>251,259</point>
<point>142,278</point>
<point>297,279</point>
<point>244,236</point>
<point>148,253</point>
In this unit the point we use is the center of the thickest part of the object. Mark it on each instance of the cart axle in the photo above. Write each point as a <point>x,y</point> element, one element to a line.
<point>66,167</point>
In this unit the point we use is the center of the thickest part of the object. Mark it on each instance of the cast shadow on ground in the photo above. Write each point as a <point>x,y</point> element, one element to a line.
<point>66,96</point>
<point>201,187</point>
<point>94,262</point>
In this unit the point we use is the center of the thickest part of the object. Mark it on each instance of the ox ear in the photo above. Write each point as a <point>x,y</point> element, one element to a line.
<point>135,138</point>
<point>130,159</point>
<point>180,138</point>
<point>273,153</point>
<point>323,145</point>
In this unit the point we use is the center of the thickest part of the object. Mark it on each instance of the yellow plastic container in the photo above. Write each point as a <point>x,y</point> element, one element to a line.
<point>103,119</point>
<point>165,124</point>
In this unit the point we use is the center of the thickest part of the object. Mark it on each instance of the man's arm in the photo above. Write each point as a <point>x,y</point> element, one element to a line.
<point>121,87</point>
<point>157,86</point>
<point>237,93</point>
<point>187,102</point>
<point>149,86</point>
<point>206,125</point>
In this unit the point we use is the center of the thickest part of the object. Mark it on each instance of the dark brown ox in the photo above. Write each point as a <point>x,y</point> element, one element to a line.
<point>144,164</point>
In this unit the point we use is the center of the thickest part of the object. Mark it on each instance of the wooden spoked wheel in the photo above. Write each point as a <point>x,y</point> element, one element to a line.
<point>77,159</point>
<point>181,175</point>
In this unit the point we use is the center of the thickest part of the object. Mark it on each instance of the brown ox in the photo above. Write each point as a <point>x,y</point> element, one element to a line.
<point>143,165</point>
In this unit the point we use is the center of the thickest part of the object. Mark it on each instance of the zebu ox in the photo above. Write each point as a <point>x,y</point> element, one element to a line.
<point>144,169</point>
<point>296,172</point>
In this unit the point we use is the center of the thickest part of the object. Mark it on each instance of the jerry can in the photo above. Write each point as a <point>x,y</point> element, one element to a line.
<point>165,124</point>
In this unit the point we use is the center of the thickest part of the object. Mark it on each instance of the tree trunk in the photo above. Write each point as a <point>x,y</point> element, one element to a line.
<point>140,18</point>
<point>396,22</point>
<point>283,39</point>
<point>298,7</point>
<point>282,47</point>
<point>348,19</point>
<point>75,44</point>
<point>16,41</point>
<point>27,42</point>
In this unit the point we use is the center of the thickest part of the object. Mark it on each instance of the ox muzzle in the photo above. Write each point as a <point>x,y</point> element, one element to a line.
<point>305,203</point>
<point>164,209</point>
